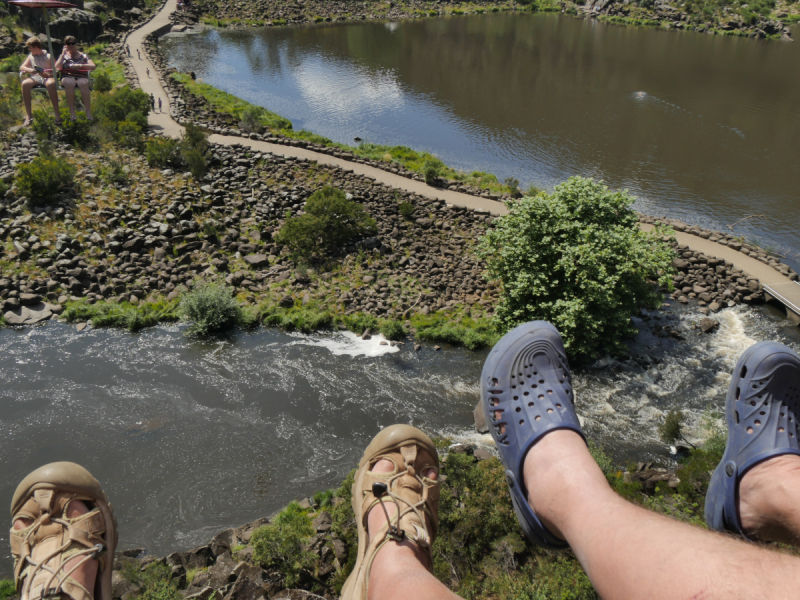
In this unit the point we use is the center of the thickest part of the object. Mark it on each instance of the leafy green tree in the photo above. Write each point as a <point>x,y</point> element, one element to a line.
<point>578,259</point>
<point>330,222</point>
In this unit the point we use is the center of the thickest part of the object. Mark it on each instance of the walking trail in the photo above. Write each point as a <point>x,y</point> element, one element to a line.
<point>776,284</point>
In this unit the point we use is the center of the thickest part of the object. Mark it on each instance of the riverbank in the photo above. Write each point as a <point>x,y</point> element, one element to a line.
<point>757,20</point>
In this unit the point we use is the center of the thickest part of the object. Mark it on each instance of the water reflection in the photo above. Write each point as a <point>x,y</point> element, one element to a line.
<point>700,127</point>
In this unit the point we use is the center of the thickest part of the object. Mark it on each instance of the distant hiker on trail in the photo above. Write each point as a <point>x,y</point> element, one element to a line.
<point>148,71</point>
<point>139,54</point>
<point>128,49</point>
<point>159,104</point>
<point>152,102</point>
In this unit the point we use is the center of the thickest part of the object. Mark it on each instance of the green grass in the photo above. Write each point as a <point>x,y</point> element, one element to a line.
<point>629,21</point>
<point>125,315</point>
<point>472,334</point>
<point>227,103</point>
<point>7,589</point>
<point>412,160</point>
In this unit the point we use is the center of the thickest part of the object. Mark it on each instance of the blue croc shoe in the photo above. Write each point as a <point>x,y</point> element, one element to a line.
<point>761,410</point>
<point>526,392</point>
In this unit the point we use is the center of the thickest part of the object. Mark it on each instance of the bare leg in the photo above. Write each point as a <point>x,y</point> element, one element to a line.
<point>398,571</point>
<point>86,96</point>
<point>52,90</point>
<point>617,542</point>
<point>69,92</point>
<point>768,504</point>
<point>86,574</point>
<point>27,86</point>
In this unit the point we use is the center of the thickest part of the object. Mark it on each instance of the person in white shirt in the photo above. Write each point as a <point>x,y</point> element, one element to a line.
<point>39,68</point>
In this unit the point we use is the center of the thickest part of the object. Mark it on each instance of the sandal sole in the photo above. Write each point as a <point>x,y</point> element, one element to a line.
<point>766,380</point>
<point>527,377</point>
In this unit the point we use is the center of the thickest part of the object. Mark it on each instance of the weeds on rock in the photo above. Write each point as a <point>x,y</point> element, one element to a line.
<point>210,307</point>
<point>43,178</point>
<point>7,589</point>
<point>112,314</point>
<point>163,153</point>
<point>279,546</point>
<point>470,333</point>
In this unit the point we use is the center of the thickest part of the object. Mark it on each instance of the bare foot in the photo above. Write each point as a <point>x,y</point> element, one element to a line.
<point>768,495</point>
<point>559,473</point>
<point>86,574</point>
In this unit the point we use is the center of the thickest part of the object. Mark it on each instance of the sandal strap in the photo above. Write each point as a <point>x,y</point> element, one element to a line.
<point>416,500</point>
<point>42,549</point>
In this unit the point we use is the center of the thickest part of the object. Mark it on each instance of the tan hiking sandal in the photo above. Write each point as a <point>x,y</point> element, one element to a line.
<point>416,498</point>
<point>42,549</point>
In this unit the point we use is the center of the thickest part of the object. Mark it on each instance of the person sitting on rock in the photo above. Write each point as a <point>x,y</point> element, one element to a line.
<point>75,67</point>
<point>39,68</point>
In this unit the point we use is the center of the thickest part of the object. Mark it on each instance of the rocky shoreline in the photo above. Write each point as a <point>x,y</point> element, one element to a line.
<point>659,13</point>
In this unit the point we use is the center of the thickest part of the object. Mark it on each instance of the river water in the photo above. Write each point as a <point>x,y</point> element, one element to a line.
<point>699,127</point>
<point>191,437</point>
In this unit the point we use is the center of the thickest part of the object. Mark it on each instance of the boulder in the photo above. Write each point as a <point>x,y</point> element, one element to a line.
<point>245,532</point>
<point>223,541</point>
<point>220,573</point>
<point>482,454</point>
<point>708,325</point>
<point>249,583</point>
<point>121,586</point>
<point>322,523</point>
<point>256,261</point>
<point>83,25</point>
<point>480,420</point>
<point>28,315</point>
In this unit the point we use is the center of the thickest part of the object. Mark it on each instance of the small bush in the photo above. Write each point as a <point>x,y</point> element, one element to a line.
<point>78,132</point>
<point>129,134</point>
<point>431,170</point>
<point>12,63</point>
<point>44,123</point>
<point>512,184</point>
<point>406,209</point>
<point>113,173</point>
<point>393,330</point>
<point>194,150</point>
<point>210,307</point>
<point>279,545</point>
<point>163,153</point>
<point>3,188</point>
<point>10,112</point>
<point>44,177</point>
<point>102,82</point>
<point>330,223</point>
<point>671,430</point>
<point>251,119</point>
<point>7,589</point>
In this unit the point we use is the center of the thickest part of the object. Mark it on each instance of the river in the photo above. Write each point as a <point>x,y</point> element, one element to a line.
<point>191,437</point>
<point>701,128</point>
